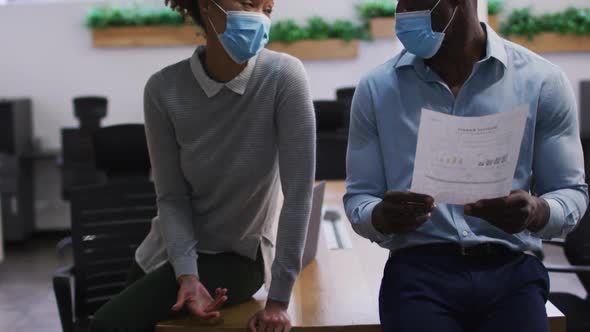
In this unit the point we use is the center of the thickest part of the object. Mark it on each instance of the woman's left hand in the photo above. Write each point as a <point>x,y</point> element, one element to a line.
<point>273,318</point>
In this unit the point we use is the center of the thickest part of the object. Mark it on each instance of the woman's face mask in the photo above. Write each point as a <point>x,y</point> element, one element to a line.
<point>414,30</point>
<point>246,34</point>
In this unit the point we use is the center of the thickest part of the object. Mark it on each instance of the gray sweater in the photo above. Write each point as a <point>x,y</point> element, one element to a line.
<point>220,155</point>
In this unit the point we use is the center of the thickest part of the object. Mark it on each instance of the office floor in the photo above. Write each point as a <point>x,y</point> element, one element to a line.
<point>27,303</point>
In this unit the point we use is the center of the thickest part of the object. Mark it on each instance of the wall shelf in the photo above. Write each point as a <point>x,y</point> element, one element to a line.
<point>494,22</point>
<point>329,49</point>
<point>554,43</point>
<point>159,36</point>
<point>382,27</point>
<point>147,36</point>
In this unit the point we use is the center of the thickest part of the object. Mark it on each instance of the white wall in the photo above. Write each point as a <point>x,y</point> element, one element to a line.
<point>47,54</point>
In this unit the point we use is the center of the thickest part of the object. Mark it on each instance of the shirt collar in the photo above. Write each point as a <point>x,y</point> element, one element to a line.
<point>494,49</point>
<point>495,46</point>
<point>212,87</point>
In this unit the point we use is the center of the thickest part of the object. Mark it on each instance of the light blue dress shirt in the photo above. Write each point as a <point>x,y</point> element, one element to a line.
<point>384,128</point>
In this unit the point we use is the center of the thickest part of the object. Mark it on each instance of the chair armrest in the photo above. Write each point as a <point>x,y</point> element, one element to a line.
<point>555,242</point>
<point>62,245</point>
<point>63,280</point>
<point>568,269</point>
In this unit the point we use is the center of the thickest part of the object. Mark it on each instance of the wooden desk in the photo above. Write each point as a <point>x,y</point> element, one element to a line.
<point>337,293</point>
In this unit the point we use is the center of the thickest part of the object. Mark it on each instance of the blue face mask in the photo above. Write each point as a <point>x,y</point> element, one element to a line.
<point>414,30</point>
<point>245,35</point>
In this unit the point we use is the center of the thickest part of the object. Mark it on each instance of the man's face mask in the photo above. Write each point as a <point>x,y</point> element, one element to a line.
<point>414,30</point>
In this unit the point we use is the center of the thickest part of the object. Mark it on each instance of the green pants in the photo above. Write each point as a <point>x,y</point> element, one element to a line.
<point>149,298</point>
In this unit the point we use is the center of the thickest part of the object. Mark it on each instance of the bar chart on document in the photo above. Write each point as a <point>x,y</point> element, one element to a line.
<point>460,160</point>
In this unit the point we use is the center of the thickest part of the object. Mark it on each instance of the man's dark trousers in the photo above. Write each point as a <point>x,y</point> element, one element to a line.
<point>448,292</point>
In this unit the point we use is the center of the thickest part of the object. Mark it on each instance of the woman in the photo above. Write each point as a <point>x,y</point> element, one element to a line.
<point>226,129</point>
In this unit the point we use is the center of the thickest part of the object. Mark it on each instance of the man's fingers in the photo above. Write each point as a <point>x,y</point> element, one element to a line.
<point>485,207</point>
<point>516,198</point>
<point>405,209</point>
<point>512,221</point>
<point>490,203</point>
<point>515,208</point>
<point>408,197</point>
<point>411,221</point>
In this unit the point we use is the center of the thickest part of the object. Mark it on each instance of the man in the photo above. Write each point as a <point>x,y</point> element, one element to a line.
<point>462,268</point>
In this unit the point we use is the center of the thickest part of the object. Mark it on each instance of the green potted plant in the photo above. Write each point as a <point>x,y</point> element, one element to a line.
<point>565,31</point>
<point>495,7</point>
<point>317,39</point>
<point>139,25</point>
<point>379,16</point>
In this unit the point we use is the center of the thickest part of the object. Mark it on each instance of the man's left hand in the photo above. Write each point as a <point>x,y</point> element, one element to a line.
<point>273,318</point>
<point>512,214</point>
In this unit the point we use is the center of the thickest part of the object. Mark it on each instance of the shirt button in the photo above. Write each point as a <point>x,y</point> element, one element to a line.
<point>465,233</point>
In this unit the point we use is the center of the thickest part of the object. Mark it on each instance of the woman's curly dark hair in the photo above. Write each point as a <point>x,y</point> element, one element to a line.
<point>187,7</point>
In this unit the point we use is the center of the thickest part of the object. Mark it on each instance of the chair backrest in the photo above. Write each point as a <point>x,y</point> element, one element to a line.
<point>577,248</point>
<point>90,110</point>
<point>109,222</point>
<point>330,115</point>
<point>122,151</point>
<point>345,94</point>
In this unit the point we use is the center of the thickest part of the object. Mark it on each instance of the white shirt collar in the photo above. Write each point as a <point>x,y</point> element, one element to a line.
<point>211,87</point>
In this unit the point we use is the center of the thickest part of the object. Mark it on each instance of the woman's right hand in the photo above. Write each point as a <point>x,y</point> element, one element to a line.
<point>197,299</point>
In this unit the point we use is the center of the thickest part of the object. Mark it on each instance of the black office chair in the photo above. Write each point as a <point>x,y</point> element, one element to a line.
<point>332,140</point>
<point>576,247</point>
<point>122,151</point>
<point>108,224</point>
<point>90,110</point>
<point>78,167</point>
<point>345,95</point>
<point>119,152</point>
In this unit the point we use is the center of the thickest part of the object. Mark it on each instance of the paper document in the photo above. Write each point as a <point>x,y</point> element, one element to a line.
<point>460,160</point>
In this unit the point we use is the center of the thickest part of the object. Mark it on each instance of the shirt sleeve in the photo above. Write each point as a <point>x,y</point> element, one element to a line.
<point>558,165</point>
<point>173,192</point>
<point>295,122</point>
<point>365,182</point>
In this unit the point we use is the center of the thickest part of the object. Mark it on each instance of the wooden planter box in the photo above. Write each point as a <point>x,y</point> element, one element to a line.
<point>147,36</point>
<point>382,27</point>
<point>555,43</point>
<point>190,35</point>
<point>494,22</point>
<point>319,49</point>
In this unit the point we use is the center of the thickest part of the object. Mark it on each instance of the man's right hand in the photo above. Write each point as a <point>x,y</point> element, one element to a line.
<point>402,212</point>
<point>197,299</point>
